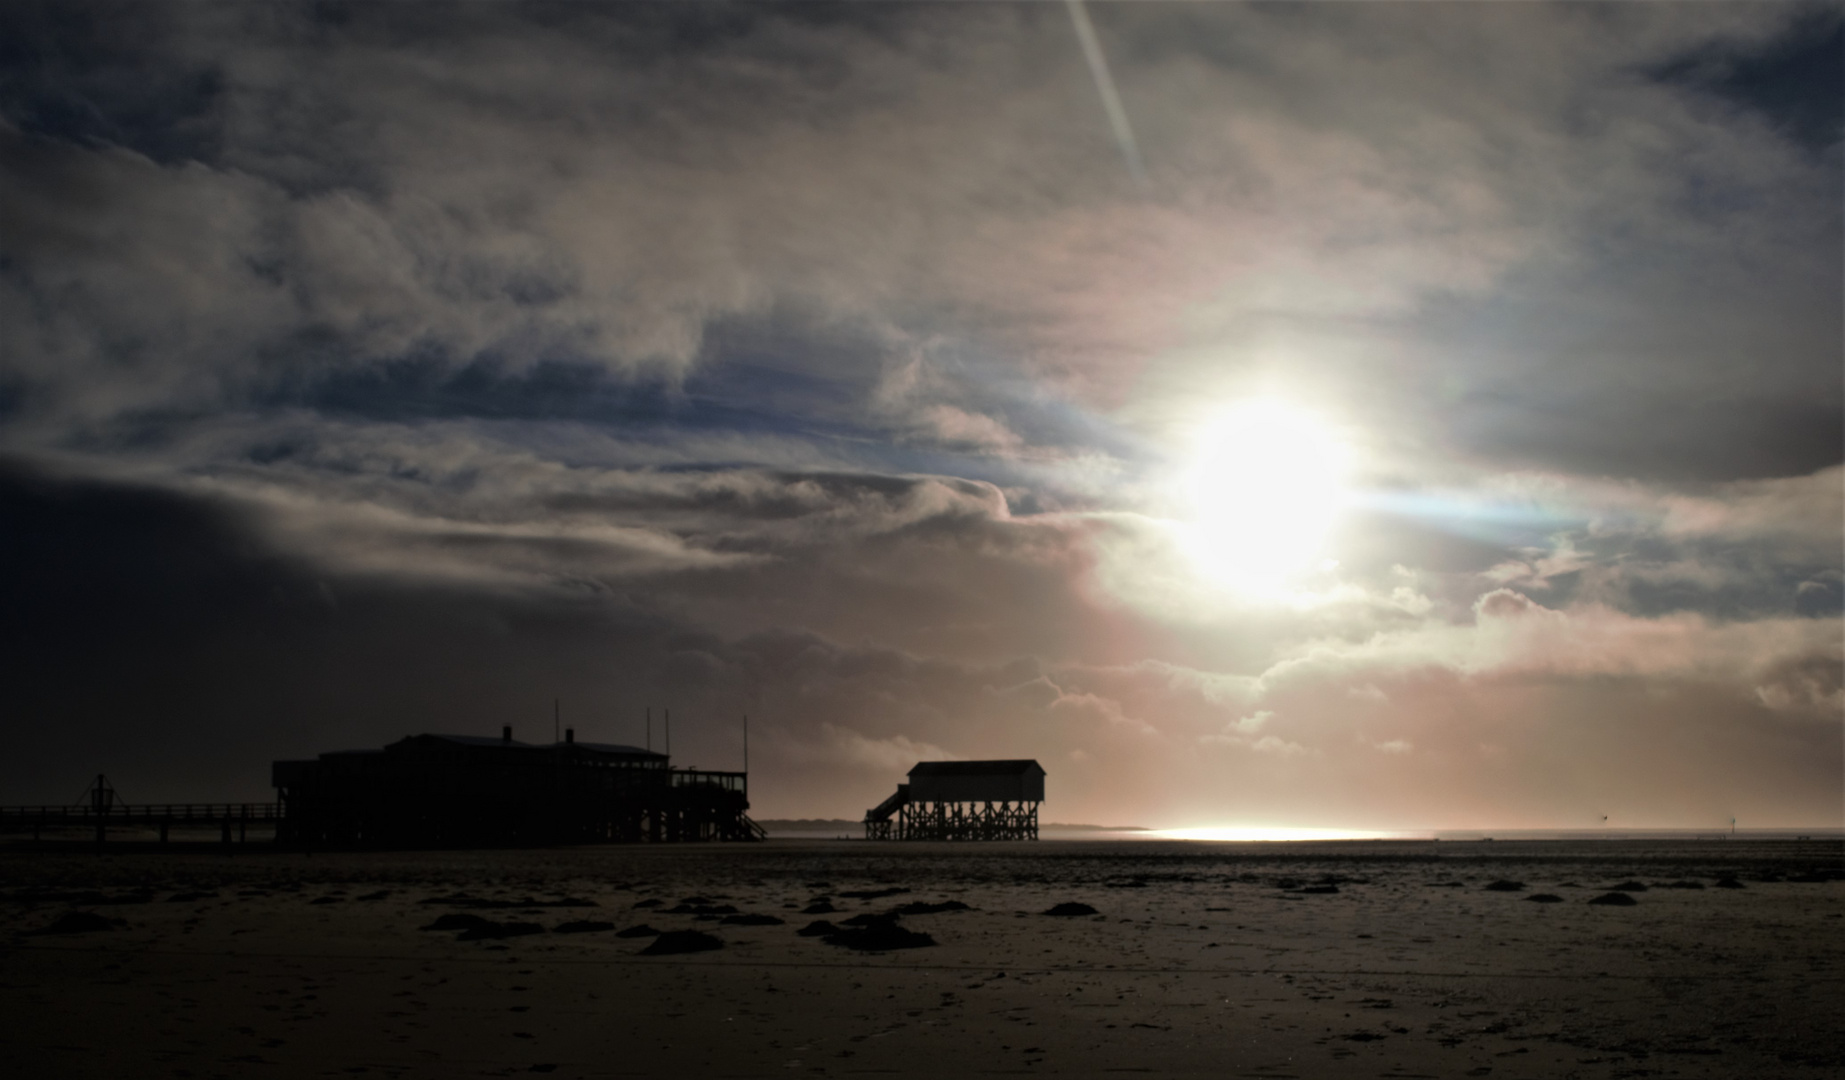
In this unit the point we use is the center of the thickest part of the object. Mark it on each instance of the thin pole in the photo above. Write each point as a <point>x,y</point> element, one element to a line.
<point>557,733</point>
<point>650,729</point>
<point>669,732</point>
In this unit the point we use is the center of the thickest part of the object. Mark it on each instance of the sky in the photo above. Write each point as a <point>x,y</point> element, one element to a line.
<point>1314,415</point>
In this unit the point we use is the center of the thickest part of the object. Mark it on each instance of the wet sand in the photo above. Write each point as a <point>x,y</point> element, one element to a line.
<point>1357,959</point>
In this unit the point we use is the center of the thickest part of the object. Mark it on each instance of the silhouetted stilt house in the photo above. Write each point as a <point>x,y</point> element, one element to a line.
<point>469,791</point>
<point>962,800</point>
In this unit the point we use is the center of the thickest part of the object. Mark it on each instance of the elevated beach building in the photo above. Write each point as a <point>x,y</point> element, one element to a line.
<point>962,800</point>
<point>471,791</point>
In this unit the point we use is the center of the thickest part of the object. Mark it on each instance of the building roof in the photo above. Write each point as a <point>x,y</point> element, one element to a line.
<point>615,748</point>
<point>475,740</point>
<point>1013,767</point>
<point>490,741</point>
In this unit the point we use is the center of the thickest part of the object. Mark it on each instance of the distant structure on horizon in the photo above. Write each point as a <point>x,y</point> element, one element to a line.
<point>962,800</point>
<point>470,791</point>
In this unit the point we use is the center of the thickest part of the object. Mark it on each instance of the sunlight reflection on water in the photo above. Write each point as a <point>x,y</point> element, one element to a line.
<point>1269,832</point>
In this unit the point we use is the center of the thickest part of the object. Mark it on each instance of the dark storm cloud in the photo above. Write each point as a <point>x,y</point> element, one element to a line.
<point>161,638</point>
<point>105,76</point>
<point>1794,80</point>
<point>363,363</point>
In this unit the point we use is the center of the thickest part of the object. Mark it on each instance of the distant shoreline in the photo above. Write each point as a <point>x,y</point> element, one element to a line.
<point>810,827</point>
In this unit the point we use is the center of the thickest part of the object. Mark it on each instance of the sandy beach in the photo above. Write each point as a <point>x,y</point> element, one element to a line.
<point>1717,959</point>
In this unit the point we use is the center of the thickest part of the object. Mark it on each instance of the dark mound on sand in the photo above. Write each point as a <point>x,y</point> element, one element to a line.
<point>675,942</point>
<point>918,907</point>
<point>702,910</point>
<point>1730,883</point>
<point>81,922</point>
<point>1615,899</point>
<point>819,907</point>
<point>873,894</point>
<point>643,930</point>
<point>651,902</point>
<point>455,921</point>
<point>582,926</point>
<point>464,900</point>
<point>880,937</point>
<point>1503,885</point>
<point>1628,886</point>
<point>751,920</point>
<point>494,931</point>
<point>1544,898</point>
<point>1317,890</point>
<point>1069,909</point>
<point>868,933</point>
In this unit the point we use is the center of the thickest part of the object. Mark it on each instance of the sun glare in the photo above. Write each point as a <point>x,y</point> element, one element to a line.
<point>1266,485</point>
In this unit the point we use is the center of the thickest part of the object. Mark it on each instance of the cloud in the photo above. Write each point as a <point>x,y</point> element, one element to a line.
<point>1274,744</point>
<point>452,500</point>
<point>1515,634</point>
<point>840,747</point>
<point>495,198</point>
<point>1798,510</point>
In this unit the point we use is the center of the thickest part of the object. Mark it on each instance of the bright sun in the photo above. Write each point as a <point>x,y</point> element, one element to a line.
<point>1266,485</point>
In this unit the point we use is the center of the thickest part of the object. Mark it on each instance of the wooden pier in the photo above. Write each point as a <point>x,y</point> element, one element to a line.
<point>98,810</point>
<point>432,791</point>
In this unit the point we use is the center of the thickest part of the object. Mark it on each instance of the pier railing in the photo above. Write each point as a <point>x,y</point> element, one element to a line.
<point>159,816</point>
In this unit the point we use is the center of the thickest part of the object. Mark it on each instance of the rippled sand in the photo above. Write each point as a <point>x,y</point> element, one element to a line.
<point>1262,960</point>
